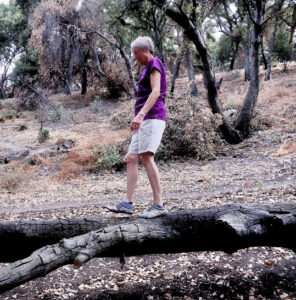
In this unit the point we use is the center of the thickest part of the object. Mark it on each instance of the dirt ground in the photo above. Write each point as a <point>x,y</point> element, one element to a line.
<point>260,169</point>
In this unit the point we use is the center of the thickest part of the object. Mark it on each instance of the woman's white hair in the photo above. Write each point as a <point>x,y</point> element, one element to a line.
<point>142,42</point>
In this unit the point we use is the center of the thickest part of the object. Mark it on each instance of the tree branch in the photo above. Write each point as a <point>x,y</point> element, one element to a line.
<point>247,6</point>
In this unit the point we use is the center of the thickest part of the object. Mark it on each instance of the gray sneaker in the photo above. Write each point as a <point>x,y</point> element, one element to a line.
<point>154,211</point>
<point>121,207</point>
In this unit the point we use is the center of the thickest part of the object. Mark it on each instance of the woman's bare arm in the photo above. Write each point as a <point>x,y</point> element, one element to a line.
<point>155,77</point>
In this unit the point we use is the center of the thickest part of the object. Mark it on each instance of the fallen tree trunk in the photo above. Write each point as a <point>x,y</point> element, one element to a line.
<point>227,228</point>
<point>26,155</point>
<point>31,235</point>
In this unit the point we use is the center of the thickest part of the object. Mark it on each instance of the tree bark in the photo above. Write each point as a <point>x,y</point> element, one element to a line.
<point>129,68</point>
<point>67,86</point>
<point>264,60</point>
<point>31,235</point>
<point>270,50</point>
<point>98,64</point>
<point>83,81</point>
<point>2,92</point>
<point>159,45</point>
<point>176,68</point>
<point>246,114</point>
<point>191,73</point>
<point>293,25</point>
<point>247,56</point>
<point>227,228</point>
<point>235,51</point>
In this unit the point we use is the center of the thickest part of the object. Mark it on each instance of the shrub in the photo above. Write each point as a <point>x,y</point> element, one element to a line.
<point>109,157</point>
<point>43,135</point>
<point>56,113</point>
<point>22,127</point>
<point>9,115</point>
<point>95,106</point>
<point>124,117</point>
<point>191,131</point>
<point>117,80</point>
<point>28,101</point>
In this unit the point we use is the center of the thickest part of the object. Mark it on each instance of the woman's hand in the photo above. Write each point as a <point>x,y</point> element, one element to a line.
<point>137,121</point>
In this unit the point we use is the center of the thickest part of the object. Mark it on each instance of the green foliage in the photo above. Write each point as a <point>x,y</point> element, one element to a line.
<point>95,106</point>
<point>13,30</point>
<point>27,64</point>
<point>282,49</point>
<point>43,135</point>
<point>56,113</point>
<point>22,127</point>
<point>260,184</point>
<point>237,73</point>
<point>223,51</point>
<point>14,34</point>
<point>9,115</point>
<point>109,157</point>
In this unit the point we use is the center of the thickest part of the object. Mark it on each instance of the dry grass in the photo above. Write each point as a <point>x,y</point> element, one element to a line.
<point>75,97</point>
<point>15,176</point>
<point>286,148</point>
<point>82,157</point>
<point>77,161</point>
<point>123,118</point>
<point>276,93</point>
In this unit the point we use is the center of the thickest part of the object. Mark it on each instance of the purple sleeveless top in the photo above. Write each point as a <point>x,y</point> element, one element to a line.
<point>158,110</point>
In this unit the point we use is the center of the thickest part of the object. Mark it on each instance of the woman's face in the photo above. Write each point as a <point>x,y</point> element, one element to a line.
<point>141,55</point>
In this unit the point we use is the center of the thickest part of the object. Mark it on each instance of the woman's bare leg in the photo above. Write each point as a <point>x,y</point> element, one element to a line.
<point>151,168</point>
<point>131,161</point>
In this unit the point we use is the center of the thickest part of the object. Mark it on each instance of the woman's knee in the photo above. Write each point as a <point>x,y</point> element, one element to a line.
<point>131,158</point>
<point>146,157</point>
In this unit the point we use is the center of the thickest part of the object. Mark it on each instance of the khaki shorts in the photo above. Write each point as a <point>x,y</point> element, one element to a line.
<point>147,138</point>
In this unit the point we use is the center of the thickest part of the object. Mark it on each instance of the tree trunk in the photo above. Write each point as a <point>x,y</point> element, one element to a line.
<point>83,81</point>
<point>264,60</point>
<point>236,47</point>
<point>191,73</point>
<point>98,65</point>
<point>270,50</point>
<point>2,92</point>
<point>31,235</point>
<point>176,68</point>
<point>158,44</point>
<point>2,82</point>
<point>129,68</point>
<point>67,87</point>
<point>192,32</point>
<point>246,114</point>
<point>293,25</point>
<point>247,56</point>
<point>227,228</point>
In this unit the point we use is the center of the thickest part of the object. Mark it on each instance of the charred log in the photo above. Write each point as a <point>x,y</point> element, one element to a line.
<point>227,228</point>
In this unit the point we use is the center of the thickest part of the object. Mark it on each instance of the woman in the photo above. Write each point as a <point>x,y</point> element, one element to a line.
<point>147,128</point>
